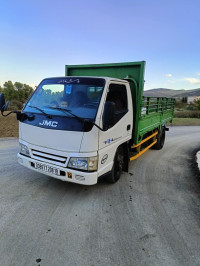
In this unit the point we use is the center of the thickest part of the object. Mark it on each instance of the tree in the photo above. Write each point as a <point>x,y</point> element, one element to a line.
<point>18,85</point>
<point>21,94</point>
<point>16,93</point>
<point>28,90</point>
<point>9,90</point>
<point>197,102</point>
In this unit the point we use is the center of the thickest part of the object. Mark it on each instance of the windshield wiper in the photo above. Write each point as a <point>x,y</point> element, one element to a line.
<point>66,111</point>
<point>42,111</point>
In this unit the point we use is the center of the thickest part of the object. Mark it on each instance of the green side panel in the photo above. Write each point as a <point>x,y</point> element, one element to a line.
<point>154,113</point>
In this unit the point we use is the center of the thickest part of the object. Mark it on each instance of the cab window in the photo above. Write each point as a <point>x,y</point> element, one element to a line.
<point>118,94</point>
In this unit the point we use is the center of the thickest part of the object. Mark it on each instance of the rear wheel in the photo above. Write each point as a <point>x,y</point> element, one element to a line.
<point>160,139</point>
<point>116,171</point>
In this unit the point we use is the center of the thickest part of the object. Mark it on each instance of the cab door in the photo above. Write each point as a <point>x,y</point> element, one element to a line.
<point>121,129</point>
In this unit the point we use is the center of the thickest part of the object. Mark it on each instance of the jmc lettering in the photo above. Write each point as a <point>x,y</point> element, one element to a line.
<point>49,123</point>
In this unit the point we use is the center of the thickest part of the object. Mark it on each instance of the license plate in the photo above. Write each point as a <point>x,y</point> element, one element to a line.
<point>46,168</point>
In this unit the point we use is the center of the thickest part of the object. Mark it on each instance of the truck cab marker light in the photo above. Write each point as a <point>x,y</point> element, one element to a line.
<point>69,174</point>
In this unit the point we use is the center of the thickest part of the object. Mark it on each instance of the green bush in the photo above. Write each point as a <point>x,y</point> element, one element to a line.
<point>15,105</point>
<point>192,107</point>
<point>187,114</point>
<point>180,105</point>
<point>198,104</point>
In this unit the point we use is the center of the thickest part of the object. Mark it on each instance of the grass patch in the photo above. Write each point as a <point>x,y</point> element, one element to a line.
<point>187,114</point>
<point>186,122</point>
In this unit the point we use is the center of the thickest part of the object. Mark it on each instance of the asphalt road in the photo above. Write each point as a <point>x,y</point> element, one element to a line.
<point>151,216</point>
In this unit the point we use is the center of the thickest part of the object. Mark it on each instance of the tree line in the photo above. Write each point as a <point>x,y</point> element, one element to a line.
<point>17,93</point>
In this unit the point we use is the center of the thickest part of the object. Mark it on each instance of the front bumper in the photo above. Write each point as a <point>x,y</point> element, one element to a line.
<point>66,174</point>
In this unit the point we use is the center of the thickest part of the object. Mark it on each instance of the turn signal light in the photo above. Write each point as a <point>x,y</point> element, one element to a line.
<point>69,174</point>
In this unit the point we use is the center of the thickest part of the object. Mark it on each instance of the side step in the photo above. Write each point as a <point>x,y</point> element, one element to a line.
<point>138,146</point>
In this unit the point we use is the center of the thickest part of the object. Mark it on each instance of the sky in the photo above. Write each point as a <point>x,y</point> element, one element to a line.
<point>39,37</point>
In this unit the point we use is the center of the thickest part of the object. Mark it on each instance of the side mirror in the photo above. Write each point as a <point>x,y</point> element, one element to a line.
<point>2,100</point>
<point>108,115</point>
<point>5,107</point>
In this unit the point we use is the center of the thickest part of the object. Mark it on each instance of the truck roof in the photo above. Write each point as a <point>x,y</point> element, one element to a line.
<point>106,78</point>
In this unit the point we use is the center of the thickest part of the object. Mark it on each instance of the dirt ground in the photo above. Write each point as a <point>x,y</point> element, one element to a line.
<point>9,126</point>
<point>149,217</point>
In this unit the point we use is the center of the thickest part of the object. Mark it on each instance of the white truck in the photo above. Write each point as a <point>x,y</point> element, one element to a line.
<point>85,125</point>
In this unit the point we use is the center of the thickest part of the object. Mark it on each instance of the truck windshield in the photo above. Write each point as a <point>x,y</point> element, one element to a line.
<point>81,96</point>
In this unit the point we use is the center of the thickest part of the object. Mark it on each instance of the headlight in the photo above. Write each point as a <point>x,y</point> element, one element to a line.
<point>86,164</point>
<point>23,149</point>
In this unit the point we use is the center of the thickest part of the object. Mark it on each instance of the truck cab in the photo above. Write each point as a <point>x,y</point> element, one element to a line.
<point>73,126</point>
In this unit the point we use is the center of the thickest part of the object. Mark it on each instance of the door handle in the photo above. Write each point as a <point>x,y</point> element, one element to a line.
<point>128,127</point>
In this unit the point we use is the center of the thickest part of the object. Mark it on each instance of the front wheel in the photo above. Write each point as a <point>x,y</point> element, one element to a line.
<point>116,171</point>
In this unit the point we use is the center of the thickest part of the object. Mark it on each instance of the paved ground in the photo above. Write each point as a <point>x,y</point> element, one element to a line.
<point>150,217</point>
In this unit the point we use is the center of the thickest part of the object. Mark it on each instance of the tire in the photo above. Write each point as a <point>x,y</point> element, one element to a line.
<point>160,139</point>
<point>116,171</point>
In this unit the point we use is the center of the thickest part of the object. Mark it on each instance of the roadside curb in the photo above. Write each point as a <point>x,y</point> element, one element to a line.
<point>8,138</point>
<point>198,159</point>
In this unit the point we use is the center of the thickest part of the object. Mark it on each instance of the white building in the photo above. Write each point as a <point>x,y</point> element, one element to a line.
<point>192,99</point>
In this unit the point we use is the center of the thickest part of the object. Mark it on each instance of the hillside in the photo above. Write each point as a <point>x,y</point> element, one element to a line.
<point>171,93</point>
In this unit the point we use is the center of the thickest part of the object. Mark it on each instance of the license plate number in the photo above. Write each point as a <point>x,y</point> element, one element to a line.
<point>46,168</point>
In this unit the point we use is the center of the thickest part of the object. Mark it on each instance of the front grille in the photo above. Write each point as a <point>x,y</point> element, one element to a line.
<point>49,158</point>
